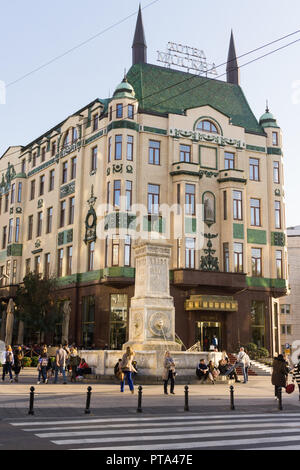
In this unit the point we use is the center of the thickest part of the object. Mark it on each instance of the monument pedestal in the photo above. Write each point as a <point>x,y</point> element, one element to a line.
<point>152,312</point>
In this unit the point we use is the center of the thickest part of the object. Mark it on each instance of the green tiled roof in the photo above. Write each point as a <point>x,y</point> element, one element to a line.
<point>164,90</point>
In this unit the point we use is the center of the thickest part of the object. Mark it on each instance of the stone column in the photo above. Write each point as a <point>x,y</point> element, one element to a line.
<point>152,312</point>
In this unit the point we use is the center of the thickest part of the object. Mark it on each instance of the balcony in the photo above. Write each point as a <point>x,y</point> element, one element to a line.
<point>232,174</point>
<point>190,278</point>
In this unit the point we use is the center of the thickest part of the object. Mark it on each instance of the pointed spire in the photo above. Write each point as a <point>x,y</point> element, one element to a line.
<point>232,69</point>
<point>139,46</point>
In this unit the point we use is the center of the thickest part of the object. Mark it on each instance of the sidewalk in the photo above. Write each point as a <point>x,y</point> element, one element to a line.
<point>257,396</point>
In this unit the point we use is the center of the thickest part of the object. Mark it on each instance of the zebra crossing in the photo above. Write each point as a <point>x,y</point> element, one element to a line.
<point>265,431</point>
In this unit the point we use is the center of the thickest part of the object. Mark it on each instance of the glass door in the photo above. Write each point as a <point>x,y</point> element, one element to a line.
<point>209,334</point>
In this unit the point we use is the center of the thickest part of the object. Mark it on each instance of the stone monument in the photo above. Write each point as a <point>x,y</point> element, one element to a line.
<point>152,312</point>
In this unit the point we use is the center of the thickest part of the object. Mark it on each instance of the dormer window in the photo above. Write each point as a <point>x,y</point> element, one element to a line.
<point>207,126</point>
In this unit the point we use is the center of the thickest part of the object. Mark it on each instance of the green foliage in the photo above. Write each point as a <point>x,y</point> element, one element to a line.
<point>34,361</point>
<point>36,305</point>
<point>251,348</point>
<point>262,353</point>
<point>27,361</point>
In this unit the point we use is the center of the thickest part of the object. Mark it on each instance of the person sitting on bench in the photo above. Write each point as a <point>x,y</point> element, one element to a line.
<point>82,369</point>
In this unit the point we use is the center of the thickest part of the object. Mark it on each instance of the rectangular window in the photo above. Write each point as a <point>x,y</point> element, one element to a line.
<point>118,320</point>
<point>190,253</point>
<point>109,150</point>
<point>258,323</point>
<point>237,205</point>
<point>73,167</point>
<point>95,122</point>
<point>14,276</point>
<point>115,252</point>
<point>53,149</point>
<point>277,214</point>
<point>275,138</point>
<point>254,169</point>
<point>6,202</point>
<point>10,230</point>
<point>153,199</point>
<point>69,260</point>
<point>226,265</point>
<point>184,153</point>
<point>256,260</point>
<point>119,113</point>
<point>110,113</point>
<point>51,180</point>
<point>30,227</point>
<point>255,212</point>
<point>279,270</point>
<point>118,147</point>
<point>32,190</point>
<point>106,251</point>
<point>4,235</point>
<point>127,250</point>
<point>130,111</point>
<point>108,195</point>
<point>42,185</point>
<point>17,232</point>
<point>19,199</point>
<point>190,199</point>
<point>94,159</point>
<point>37,265</point>
<point>13,192</point>
<point>62,213</point>
<point>179,242</point>
<point>39,224</point>
<point>238,257</point>
<point>34,160</point>
<point>285,309</point>
<point>47,266</point>
<point>229,160</point>
<point>8,271</point>
<point>154,152</point>
<point>117,193</point>
<point>71,210</point>
<point>276,174</point>
<point>64,172</point>
<point>88,320</point>
<point>43,154</point>
<point>23,167</point>
<point>60,257</point>
<point>130,148</point>
<point>91,254</point>
<point>128,195</point>
<point>225,205</point>
<point>27,266</point>
<point>49,220</point>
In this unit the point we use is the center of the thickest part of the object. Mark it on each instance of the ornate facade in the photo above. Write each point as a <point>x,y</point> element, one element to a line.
<point>165,139</point>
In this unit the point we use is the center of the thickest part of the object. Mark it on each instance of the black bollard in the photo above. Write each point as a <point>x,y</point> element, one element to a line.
<point>232,407</point>
<point>31,400</point>
<point>139,408</point>
<point>186,398</point>
<point>88,401</point>
<point>279,394</point>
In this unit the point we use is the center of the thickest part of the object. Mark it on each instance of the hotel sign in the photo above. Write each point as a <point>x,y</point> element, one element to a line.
<point>189,58</point>
<point>197,136</point>
<point>211,302</point>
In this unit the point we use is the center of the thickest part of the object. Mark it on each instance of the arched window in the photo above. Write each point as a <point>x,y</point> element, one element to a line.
<point>207,126</point>
<point>209,209</point>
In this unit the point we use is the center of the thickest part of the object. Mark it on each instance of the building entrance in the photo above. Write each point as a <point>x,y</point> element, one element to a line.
<point>205,331</point>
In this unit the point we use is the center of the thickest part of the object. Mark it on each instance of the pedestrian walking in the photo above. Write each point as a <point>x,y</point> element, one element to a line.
<point>60,363</point>
<point>296,374</point>
<point>18,362</point>
<point>42,368</point>
<point>169,373</point>
<point>242,361</point>
<point>8,363</point>
<point>74,361</point>
<point>279,374</point>
<point>127,369</point>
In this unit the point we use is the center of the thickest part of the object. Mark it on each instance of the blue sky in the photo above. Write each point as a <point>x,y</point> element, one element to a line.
<point>34,32</point>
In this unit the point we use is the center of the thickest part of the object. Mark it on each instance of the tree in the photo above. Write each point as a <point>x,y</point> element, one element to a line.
<point>36,306</point>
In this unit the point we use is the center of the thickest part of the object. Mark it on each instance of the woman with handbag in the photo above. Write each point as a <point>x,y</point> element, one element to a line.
<point>169,373</point>
<point>279,374</point>
<point>127,368</point>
